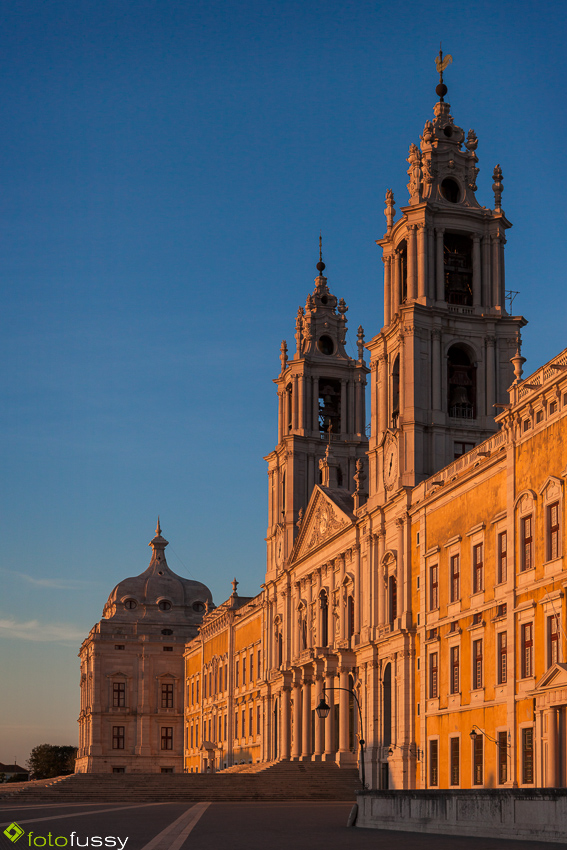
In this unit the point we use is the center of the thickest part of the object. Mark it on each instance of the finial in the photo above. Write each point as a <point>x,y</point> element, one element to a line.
<point>158,528</point>
<point>389,212</point>
<point>234,585</point>
<point>320,264</point>
<point>360,343</point>
<point>441,64</point>
<point>283,354</point>
<point>497,188</point>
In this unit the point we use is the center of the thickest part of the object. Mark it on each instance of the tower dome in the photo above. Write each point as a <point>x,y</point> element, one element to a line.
<point>158,593</point>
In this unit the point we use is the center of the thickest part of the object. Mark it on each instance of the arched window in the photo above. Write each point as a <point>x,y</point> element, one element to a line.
<point>350,616</point>
<point>396,392</point>
<point>403,252</point>
<point>329,405</point>
<point>461,384</point>
<point>324,603</point>
<point>457,254</point>
<point>289,397</point>
<point>280,648</point>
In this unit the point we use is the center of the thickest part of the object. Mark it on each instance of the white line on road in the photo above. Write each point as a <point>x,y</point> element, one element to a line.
<point>178,830</point>
<point>91,812</point>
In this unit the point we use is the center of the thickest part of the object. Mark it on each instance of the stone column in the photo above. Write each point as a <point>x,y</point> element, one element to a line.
<point>294,404</point>
<point>358,425</point>
<point>387,292</point>
<point>551,777</point>
<point>421,261</point>
<point>351,408</point>
<point>436,369</point>
<point>502,275</point>
<point>400,571</point>
<point>382,395</point>
<point>342,607</point>
<point>476,279</point>
<point>486,275</point>
<point>412,262</point>
<point>343,406</point>
<point>496,271</point>
<point>329,754</point>
<point>440,264</point>
<point>286,722</point>
<point>300,402</point>
<point>344,754</point>
<point>490,375</point>
<point>382,595</point>
<point>306,715</point>
<point>319,722</point>
<point>296,748</point>
<point>430,285</point>
<point>315,407</point>
<point>357,593</point>
<point>280,416</point>
<point>397,284</point>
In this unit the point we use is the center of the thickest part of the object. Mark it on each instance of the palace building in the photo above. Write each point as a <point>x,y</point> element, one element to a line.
<point>415,578</point>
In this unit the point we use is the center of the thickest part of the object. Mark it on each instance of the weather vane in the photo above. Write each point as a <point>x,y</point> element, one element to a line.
<point>441,64</point>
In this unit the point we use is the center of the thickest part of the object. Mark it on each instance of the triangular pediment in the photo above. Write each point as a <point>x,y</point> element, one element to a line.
<point>328,513</point>
<point>555,677</point>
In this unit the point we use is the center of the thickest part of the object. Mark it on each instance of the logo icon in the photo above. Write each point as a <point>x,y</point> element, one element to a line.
<point>14,832</point>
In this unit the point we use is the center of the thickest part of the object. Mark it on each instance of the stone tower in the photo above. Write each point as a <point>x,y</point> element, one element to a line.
<point>442,360</point>
<point>321,401</point>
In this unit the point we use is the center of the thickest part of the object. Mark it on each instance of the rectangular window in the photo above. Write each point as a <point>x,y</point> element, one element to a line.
<point>454,670</point>
<point>527,756</point>
<point>210,683</point>
<point>250,722</point>
<point>243,722</point>
<point>118,737</point>
<point>502,557</point>
<point>196,735</point>
<point>119,694</point>
<point>204,686</point>
<point>251,666</point>
<point>527,658</point>
<point>455,761</point>
<point>502,758</point>
<point>259,664</point>
<point>552,640</point>
<point>236,673</point>
<point>236,724</point>
<point>225,727</point>
<point>478,568</point>
<point>553,531</point>
<point>433,588</point>
<point>526,541</point>
<point>258,720</point>
<point>552,408</point>
<point>434,763</point>
<point>226,676</point>
<point>191,737</point>
<point>501,610</point>
<point>244,670</point>
<point>167,696</point>
<point>478,760</point>
<point>210,731</point>
<point>455,578</point>
<point>502,641</point>
<point>477,662</point>
<point>167,737</point>
<point>477,619</point>
<point>192,693</point>
<point>433,675</point>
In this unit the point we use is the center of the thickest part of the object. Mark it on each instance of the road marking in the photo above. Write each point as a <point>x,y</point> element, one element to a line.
<point>97,812</point>
<point>178,830</point>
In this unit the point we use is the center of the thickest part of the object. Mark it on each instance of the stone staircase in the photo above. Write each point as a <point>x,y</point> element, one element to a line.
<point>274,782</point>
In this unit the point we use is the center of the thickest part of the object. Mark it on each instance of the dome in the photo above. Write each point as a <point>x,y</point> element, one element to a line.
<point>158,592</point>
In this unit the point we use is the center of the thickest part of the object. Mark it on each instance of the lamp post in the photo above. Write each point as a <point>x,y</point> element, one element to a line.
<point>323,710</point>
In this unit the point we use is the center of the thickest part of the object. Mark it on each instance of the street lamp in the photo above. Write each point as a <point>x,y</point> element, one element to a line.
<point>323,710</point>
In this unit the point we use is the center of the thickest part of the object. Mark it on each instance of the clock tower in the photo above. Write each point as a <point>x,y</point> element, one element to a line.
<point>441,364</point>
<point>321,403</point>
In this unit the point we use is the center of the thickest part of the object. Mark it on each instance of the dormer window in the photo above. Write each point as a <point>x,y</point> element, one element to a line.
<point>198,607</point>
<point>130,604</point>
<point>164,605</point>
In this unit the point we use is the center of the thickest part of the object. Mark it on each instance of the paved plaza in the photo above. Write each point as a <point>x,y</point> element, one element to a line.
<point>208,826</point>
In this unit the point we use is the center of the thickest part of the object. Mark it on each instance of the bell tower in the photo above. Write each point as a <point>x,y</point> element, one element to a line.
<point>321,402</point>
<point>442,360</point>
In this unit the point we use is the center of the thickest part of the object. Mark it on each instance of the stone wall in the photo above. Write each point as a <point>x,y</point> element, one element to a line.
<point>537,815</point>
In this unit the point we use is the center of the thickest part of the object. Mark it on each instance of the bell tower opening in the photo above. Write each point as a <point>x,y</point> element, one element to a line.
<point>396,392</point>
<point>458,266</point>
<point>329,405</point>
<point>461,384</point>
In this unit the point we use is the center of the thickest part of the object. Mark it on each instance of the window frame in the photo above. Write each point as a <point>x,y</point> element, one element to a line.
<point>454,763</point>
<point>478,568</point>
<point>527,650</point>
<point>477,658</point>
<point>454,669</point>
<point>166,738</point>
<point>434,587</point>
<point>502,565</point>
<point>552,531</point>
<point>502,657</point>
<point>118,737</point>
<point>455,577</point>
<point>526,542</point>
<point>434,762</point>
<point>527,749</point>
<point>433,675</point>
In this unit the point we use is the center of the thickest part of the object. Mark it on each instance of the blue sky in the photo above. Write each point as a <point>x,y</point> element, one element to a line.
<point>165,170</point>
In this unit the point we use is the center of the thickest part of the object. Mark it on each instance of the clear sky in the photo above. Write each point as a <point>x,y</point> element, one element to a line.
<point>165,170</point>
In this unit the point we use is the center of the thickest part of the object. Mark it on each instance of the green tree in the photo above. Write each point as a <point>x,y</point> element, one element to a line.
<point>47,760</point>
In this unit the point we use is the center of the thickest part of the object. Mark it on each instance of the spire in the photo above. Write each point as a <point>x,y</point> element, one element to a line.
<point>320,264</point>
<point>158,542</point>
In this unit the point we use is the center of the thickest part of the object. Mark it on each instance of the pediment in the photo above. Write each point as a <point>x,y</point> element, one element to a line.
<point>328,513</point>
<point>555,677</point>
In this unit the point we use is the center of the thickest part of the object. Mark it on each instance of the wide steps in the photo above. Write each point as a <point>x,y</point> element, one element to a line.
<point>281,781</point>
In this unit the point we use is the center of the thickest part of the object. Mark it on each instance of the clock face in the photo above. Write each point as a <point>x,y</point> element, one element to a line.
<point>390,464</point>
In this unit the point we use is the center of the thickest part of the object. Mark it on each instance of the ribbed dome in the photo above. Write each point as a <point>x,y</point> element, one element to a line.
<point>158,591</point>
